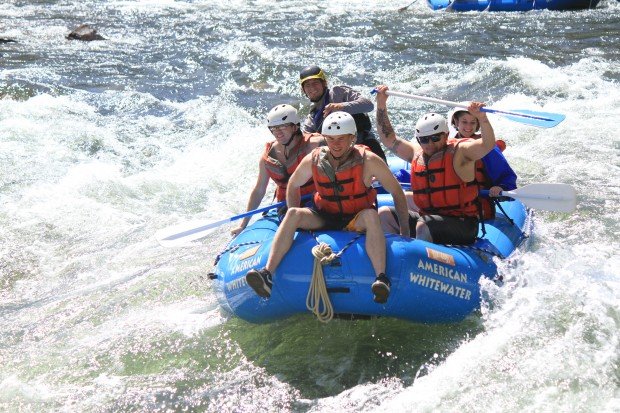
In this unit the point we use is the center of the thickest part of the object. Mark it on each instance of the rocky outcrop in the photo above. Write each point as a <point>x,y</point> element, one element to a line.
<point>85,33</point>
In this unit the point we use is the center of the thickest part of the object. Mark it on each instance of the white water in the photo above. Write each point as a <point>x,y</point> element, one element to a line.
<point>97,317</point>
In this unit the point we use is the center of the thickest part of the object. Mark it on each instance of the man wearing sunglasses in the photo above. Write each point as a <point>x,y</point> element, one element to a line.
<point>326,100</point>
<point>443,182</point>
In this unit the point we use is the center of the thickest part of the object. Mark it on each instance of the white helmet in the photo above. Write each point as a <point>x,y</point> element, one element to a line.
<point>339,123</point>
<point>452,119</point>
<point>282,115</point>
<point>431,124</point>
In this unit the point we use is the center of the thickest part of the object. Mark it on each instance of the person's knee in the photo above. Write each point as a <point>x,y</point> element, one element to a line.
<point>384,211</point>
<point>387,220</point>
<point>371,218</point>
<point>422,231</point>
<point>293,216</point>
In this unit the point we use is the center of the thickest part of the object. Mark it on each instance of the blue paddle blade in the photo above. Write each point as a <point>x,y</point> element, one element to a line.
<point>534,118</point>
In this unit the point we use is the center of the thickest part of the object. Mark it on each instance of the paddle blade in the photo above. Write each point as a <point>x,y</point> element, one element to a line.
<point>550,197</point>
<point>182,234</point>
<point>534,118</point>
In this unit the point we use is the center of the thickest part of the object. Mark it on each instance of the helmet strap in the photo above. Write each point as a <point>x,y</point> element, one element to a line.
<point>292,137</point>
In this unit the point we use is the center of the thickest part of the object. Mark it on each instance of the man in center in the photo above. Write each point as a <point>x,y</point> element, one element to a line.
<point>345,200</point>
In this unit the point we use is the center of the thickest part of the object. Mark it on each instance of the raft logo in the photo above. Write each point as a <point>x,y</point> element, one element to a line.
<point>443,271</point>
<point>440,256</point>
<point>244,266</point>
<point>438,285</point>
<point>248,253</point>
<point>236,284</point>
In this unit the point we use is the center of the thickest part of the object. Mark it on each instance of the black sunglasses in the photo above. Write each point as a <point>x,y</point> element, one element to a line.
<point>425,139</point>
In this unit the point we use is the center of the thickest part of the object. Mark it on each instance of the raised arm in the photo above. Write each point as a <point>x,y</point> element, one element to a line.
<point>475,149</point>
<point>398,146</point>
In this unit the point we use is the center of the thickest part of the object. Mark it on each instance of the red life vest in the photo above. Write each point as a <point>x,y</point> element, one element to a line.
<point>437,189</point>
<point>342,191</point>
<point>280,173</point>
<point>484,182</point>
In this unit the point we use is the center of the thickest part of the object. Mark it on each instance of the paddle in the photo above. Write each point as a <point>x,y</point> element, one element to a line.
<point>528,117</point>
<point>548,197</point>
<point>407,6</point>
<point>186,232</point>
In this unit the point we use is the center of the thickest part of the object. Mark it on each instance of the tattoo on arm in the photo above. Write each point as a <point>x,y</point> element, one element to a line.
<point>384,127</point>
<point>395,145</point>
<point>383,123</point>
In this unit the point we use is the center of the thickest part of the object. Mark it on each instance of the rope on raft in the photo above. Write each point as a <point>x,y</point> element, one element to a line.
<point>317,300</point>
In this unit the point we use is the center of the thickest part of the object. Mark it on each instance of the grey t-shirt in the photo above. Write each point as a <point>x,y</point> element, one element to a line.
<point>353,101</point>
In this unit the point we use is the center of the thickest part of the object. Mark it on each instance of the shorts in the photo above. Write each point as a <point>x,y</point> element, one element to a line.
<point>445,229</point>
<point>336,222</point>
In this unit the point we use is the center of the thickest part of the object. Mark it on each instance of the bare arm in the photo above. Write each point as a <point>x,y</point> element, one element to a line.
<point>301,175</point>
<point>382,173</point>
<point>316,140</point>
<point>256,196</point>
<point>477,148</point>
<point>398,146</point>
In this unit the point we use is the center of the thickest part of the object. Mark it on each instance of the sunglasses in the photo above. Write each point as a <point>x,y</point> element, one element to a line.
<point>272,129</point>
<point>425,139</point>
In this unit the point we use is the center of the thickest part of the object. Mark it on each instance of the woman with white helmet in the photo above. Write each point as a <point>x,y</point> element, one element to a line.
<point>281,157</point>
<point>492,171</point>
<point>345,199</point>
<point>442,175</point>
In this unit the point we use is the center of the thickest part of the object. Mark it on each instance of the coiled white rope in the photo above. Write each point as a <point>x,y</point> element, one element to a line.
<point>317,293</point>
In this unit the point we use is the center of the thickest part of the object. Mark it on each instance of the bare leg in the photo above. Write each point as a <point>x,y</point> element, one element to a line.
<point>368,220</point>
<point>422,231</point>
<point>388,222</point>
<point>295,218</point>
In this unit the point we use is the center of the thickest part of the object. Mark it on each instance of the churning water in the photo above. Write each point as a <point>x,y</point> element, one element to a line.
<point>103,143</point>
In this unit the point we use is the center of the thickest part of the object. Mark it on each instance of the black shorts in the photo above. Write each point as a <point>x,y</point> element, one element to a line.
<point>445,229</point>
<point>333,222</point>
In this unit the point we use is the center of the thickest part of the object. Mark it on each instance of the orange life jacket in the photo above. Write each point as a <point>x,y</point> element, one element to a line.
<point>437,189</point>
<point>280,173</point>
<point>342,191</point>
<point>484,182</point>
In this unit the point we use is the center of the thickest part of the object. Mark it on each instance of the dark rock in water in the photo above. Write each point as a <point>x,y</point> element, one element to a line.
<point>85,33</point>
<point>5,40</point>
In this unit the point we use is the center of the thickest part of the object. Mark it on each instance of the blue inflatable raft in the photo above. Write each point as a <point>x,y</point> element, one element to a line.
<point>510,5</point>
<point>430,283</point>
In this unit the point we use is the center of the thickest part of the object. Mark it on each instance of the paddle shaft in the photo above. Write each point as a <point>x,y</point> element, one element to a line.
<point>407,6</point>
<point>517,195</point>
<point>215,224</point>
<point>548,197</point>
<point>462,105</point>
<point>199,230</point>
